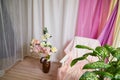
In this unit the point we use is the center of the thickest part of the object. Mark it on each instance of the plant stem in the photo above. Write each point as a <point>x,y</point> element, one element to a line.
<point>101,78</point>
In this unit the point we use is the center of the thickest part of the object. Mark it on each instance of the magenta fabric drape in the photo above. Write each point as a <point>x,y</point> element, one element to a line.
<point>107,33</point>
<point>88,18</point>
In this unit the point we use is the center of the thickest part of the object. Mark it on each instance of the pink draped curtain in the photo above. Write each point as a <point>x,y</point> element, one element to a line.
<point>92,20</point>
<point>85,21</point>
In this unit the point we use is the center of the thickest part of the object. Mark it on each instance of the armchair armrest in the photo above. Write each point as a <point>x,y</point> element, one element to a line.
<point>62,61</point>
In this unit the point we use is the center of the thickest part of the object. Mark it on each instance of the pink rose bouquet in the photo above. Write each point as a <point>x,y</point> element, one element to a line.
<point>44,47</point>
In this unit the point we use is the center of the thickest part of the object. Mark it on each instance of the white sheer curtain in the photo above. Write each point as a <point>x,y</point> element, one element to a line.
<point>22,20</point>
<point>13,32</point>
<point>59,16</point>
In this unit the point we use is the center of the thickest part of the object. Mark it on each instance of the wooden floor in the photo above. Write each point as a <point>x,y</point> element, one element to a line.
<point>30,69</point>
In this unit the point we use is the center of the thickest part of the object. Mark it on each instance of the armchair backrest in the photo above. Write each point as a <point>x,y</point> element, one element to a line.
<point>71,50</point>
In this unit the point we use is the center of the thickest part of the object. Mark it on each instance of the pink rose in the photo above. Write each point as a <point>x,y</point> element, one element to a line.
<point>46,50</point>
<point>37,48</point>
<point>36,42</point>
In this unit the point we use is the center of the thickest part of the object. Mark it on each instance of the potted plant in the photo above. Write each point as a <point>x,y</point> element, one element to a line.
<point>107,66</point>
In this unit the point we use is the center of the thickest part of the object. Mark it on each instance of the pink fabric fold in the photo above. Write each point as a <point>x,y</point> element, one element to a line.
<point>88,18</point>
<point>107,33</point>
<point>103,15</point>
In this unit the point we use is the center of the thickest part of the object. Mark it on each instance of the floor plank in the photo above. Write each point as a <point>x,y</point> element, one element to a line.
<point>30,69</point>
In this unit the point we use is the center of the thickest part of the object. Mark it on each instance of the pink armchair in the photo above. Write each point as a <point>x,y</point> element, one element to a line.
<point>66,72</point>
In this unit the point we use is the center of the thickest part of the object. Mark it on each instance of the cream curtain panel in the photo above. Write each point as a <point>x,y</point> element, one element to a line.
<point>116,38</point>
<point>22,20</point>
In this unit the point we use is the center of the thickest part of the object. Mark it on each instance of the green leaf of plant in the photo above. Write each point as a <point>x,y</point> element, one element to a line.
<point>48,57</point>
<point>117,76</point>
<point>102,52</point>
<point>81,58</point>
<point>96,65</point>
<point>113,51</point>
<point>89,76</point>
<point>45,30</point>
<point>114,63</point>
<point>74,61</point>
<point>109,48</point>
<point>87,54</point>
<point>83,47</point>
<point>118,62</point>
<point>116,53</point>
<point>104,74</point>
<point>111,70</point>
